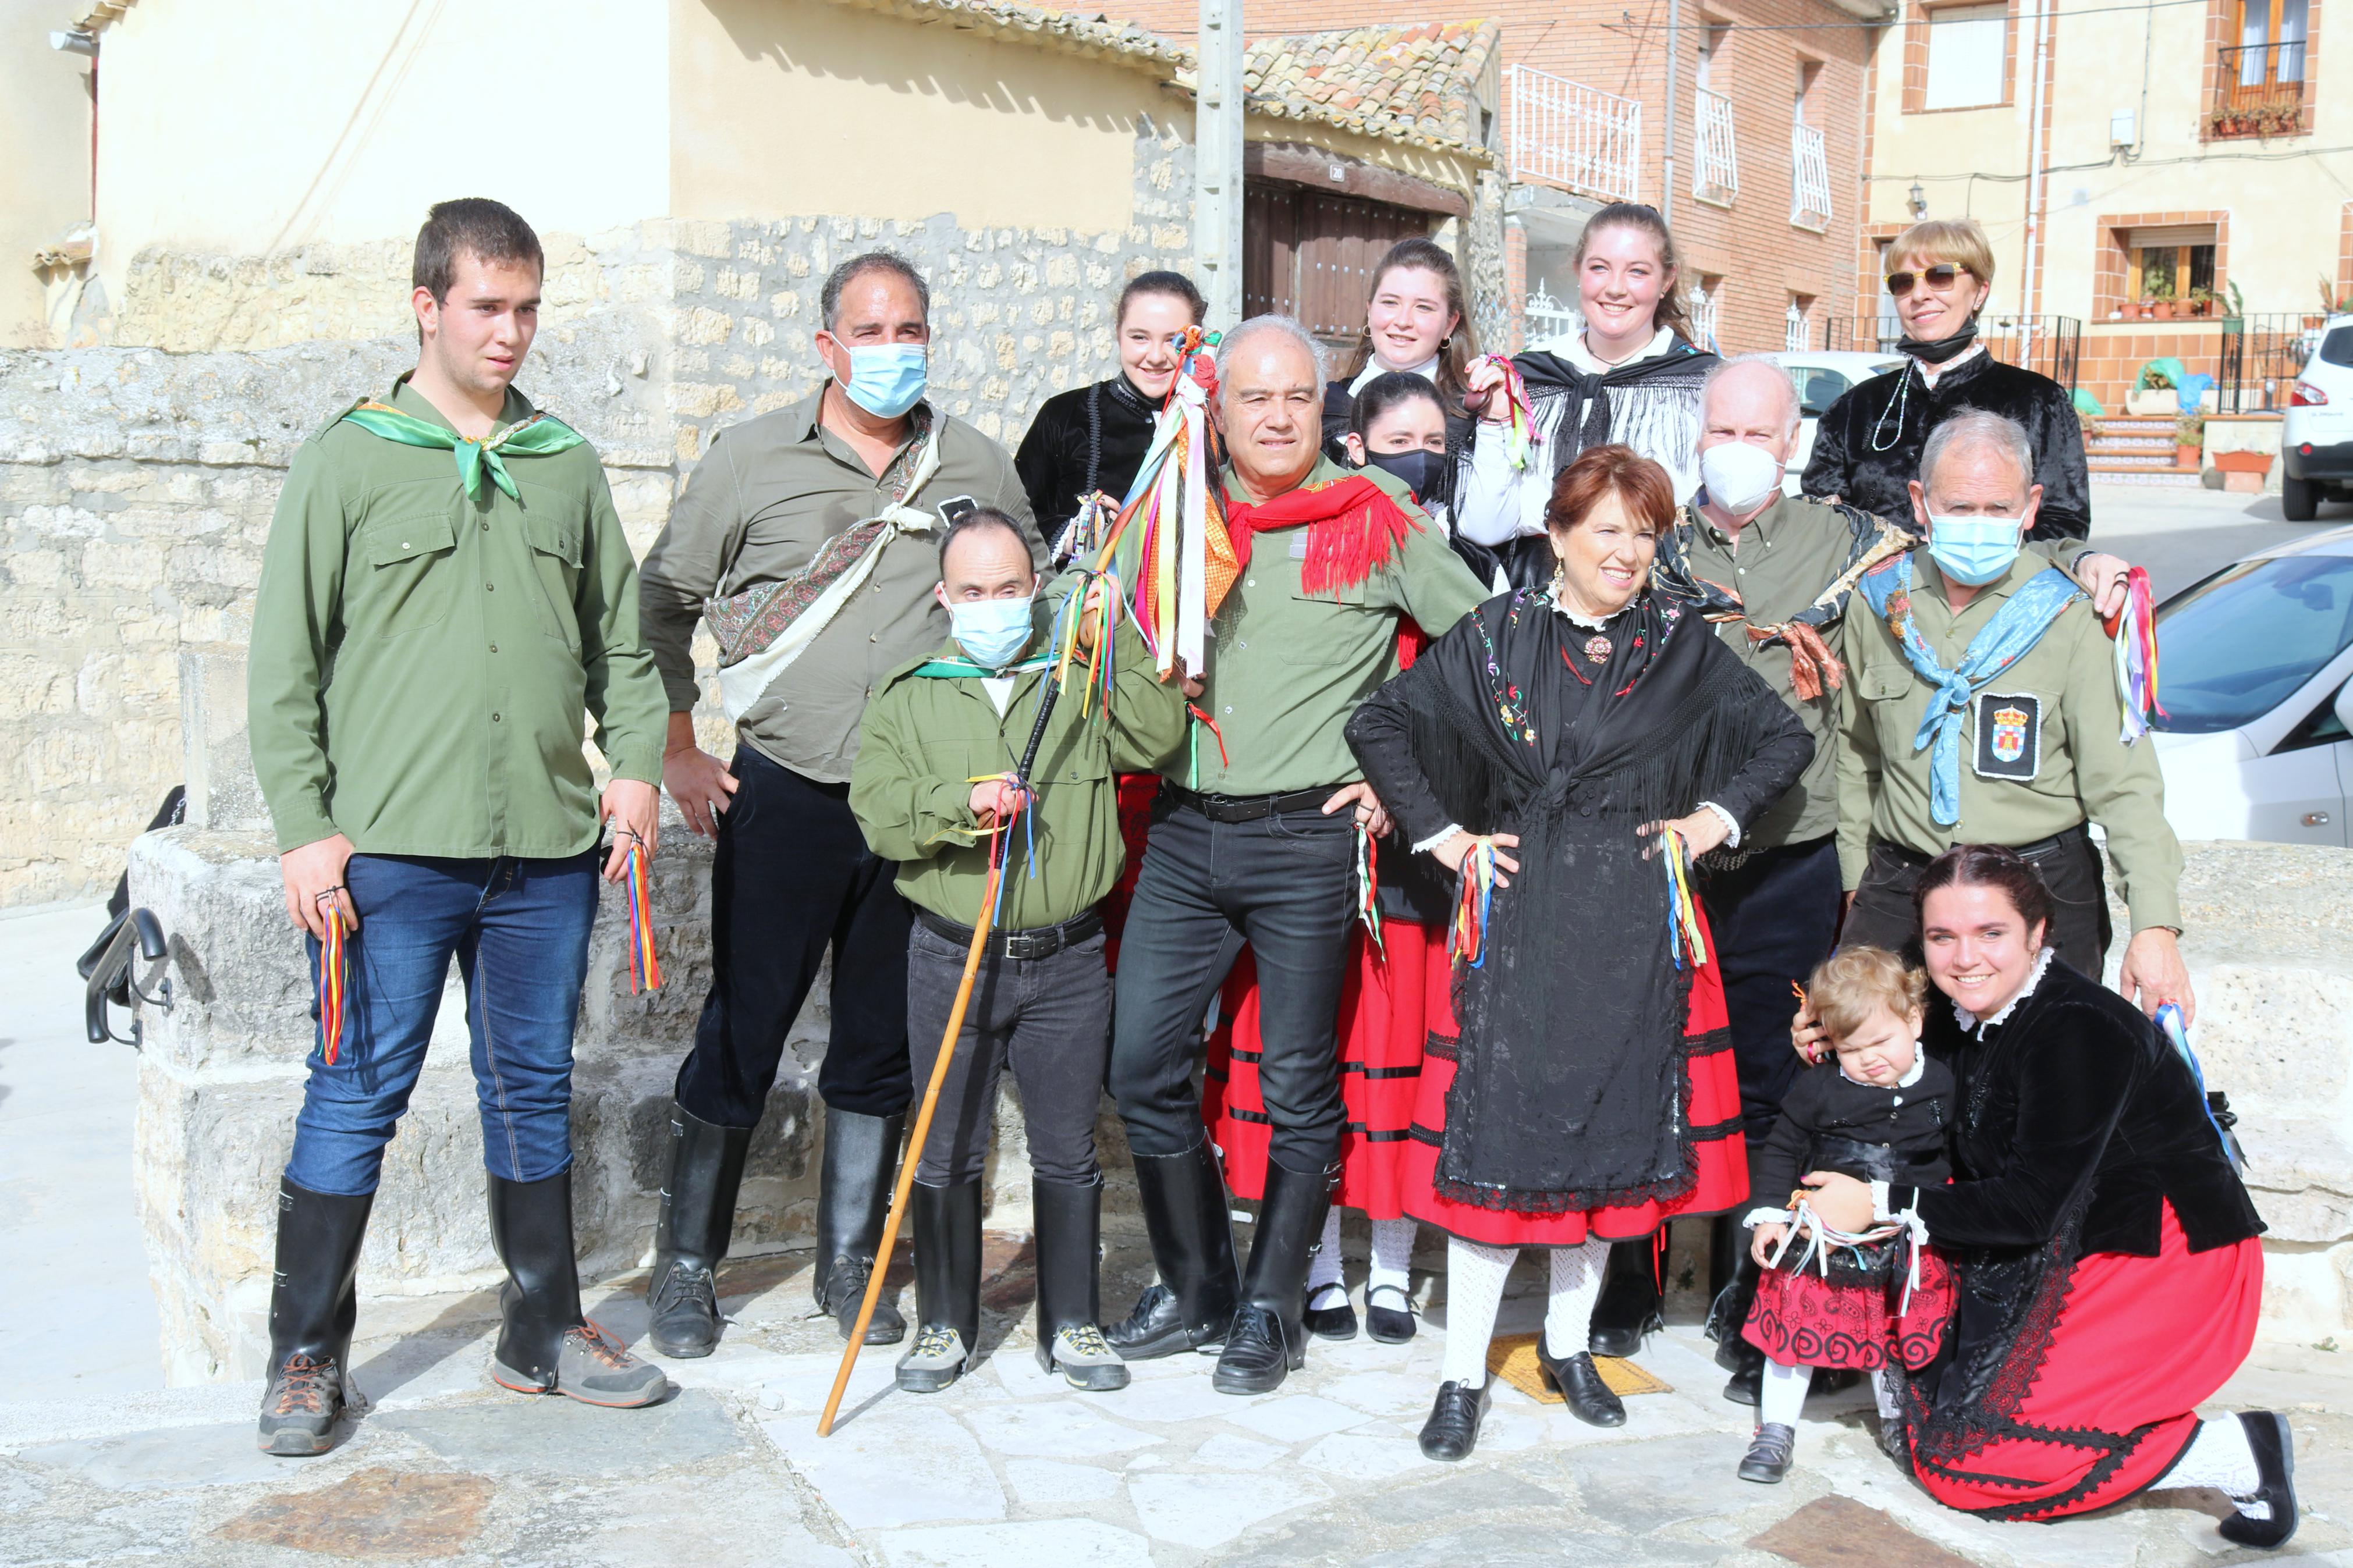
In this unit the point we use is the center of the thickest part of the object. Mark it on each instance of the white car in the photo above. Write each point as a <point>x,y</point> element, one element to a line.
<point>2255,674</point>
<point>2317,437</point>
<point>1821,378</point>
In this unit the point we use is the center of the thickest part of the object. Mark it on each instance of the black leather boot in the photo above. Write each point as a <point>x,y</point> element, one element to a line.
<point>706,1168</point>
<point>313,1306</point>
<point>1268,1342</point>
<point>947,1286</point>
<point>1069,1227</point>
<point>1732,1292</point>
<point>546,1343</point>
<point>862,1156</point>
<point>1184,1212</point>
<point>1629,1306</point>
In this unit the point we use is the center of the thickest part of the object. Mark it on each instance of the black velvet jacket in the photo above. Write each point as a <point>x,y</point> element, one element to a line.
<point>1866,452</point>
<point>1829,1122</point>
<point>1103,431</point>
<point>2075,1106</point>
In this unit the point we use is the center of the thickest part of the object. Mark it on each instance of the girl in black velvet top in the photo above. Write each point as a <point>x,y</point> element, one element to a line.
<point>1867,446</point>
<point>1879,1111</point>
<point>2107,1269</point>
<point>1094,438</point>
<point>1414,325</point>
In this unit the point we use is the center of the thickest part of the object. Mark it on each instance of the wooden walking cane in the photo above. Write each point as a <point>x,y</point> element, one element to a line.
<point>907,1162</point>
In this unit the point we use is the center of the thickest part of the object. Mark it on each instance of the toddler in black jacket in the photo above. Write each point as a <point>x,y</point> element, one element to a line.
<point>1878,1111</point>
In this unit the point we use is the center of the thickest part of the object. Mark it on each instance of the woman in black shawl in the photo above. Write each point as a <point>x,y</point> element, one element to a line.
<point>1589,1093</point>
<point>1632,376</point>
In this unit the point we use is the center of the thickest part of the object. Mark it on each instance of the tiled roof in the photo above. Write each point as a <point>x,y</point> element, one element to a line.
<point>1413,84</point>
<point>1065,32</point>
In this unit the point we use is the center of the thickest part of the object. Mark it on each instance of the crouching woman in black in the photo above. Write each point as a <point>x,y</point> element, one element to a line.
<point>2106,1269</point>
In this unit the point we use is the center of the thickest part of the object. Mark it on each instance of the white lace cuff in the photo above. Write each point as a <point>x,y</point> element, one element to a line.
<point>1879,1210</point>
<point>1731,823</point>
<point>1437,838</point>
<point>1766,1215</point>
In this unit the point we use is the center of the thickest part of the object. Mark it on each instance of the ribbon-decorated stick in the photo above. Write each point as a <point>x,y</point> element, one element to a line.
<point>645,967</point>
<point>1473,905</point>
<point>334,976</point>
<point>1684,940</point>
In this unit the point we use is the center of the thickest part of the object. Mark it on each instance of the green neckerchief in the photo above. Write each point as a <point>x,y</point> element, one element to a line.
<point>539,436</point>
<point>951,667</point>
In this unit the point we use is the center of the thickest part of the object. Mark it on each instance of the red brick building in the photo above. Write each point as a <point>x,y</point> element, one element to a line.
<point>1765,188</point>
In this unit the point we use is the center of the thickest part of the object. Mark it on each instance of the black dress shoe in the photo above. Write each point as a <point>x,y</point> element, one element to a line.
<point>1328,1322</point>
<point>1769,1453</point>
<point>1452,1429</point>
<point>1746,1384</point>
<point>1578,1381</point>
<point>1628,1305</point>
<point>2274,1448</point>
<point>1256,1356</point>
<point>1156,1327</point>
<point>1389,1325</point>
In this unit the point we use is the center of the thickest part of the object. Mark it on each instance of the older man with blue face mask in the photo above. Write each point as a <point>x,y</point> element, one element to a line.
<point>1775,572</point>
<point>1981,707</point>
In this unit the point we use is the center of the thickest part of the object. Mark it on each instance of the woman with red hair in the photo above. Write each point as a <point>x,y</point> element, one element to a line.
<point>1538,750</point>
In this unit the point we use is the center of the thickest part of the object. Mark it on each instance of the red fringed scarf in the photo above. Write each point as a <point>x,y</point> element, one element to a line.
<point>1353,529</point>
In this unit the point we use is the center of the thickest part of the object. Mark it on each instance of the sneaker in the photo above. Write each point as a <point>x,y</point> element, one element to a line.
<point>1770,1453</point>
<point>1085,1359</point>
<point>936,1361</point>
<point>594,1368</point>
<point>299,1412</point>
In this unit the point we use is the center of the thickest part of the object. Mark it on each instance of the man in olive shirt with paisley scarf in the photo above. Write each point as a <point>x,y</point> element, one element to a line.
<point>808,540</point>
<point>445,588</point>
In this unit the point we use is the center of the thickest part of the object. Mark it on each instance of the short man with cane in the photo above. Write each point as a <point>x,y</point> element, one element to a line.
<point>935,782</point>
<point>807,539</point>
<point>1254,841</point>
<point>445,579</point>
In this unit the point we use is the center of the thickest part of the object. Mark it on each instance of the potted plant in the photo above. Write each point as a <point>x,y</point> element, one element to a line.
<point>2130,310</point>
<point>2091,426</point>
<point>2202,301</point>
<point>2236,320</point>
<point>2160,296</point>
<point>2188,439</point>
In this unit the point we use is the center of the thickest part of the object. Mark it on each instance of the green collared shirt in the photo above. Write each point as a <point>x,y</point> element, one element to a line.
<point>2062,717</point>
<point>756,509</point>
<point>925,738</point>
<point>422,659</point>
<point>1286,669</point>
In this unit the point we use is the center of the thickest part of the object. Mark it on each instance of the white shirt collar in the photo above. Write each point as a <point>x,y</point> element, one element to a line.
<point>1427,370</point>
<point>1969,1020</point>
<point>1920,1066</point>
<point>1931,373</point>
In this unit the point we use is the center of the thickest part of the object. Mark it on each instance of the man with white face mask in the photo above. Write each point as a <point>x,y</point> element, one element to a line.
<point>1981,707</point>
<point>806,540</point>
<point>1774,572</point>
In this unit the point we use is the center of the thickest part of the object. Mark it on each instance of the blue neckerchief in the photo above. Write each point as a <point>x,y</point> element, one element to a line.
<point>2017,627</point>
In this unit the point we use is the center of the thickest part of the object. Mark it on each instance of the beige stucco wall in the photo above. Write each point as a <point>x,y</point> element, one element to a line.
<point>44,157</point>
<point>783,107</point>
<point>338,123</point>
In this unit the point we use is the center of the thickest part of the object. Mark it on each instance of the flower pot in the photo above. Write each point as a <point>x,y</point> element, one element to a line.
<point>2163,311</point>
<point>2243,462</point>
<point>2129,310</point>
<point>2186,457</point>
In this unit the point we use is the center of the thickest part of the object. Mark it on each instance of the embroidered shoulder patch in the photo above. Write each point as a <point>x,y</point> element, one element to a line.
<point>2009,735</point>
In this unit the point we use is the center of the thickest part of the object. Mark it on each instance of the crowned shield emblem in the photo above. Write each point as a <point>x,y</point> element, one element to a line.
<point>2010,727</point>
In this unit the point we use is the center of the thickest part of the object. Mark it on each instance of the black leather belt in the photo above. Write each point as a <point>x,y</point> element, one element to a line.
<point>2041,847</point>
<point>1248,808</point>
<point>1038,942</point>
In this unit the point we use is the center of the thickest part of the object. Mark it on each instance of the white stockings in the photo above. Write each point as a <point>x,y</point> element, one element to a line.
<point>1474,1294</point>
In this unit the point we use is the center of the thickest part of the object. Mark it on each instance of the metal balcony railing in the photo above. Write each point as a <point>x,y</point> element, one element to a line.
<point>1809,177</point>
<point>1578,137</point>
<point>1548,318</point>
<point>2051,346</point>
<point>1715,165</point>
<point>2261,356</point>
<point>2258,91</point>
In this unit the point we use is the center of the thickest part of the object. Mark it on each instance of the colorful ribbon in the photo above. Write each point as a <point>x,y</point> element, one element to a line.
<point>334,961</point>
<point>1000,830</point>
<point>2133,628</point>
<point>1095,614</point>
<point>1520,436</point>
<point>1684,934</point>
<point>1369,887</point>
<point>1193,743</point>
<point>1474,903</point>
<point>645,968</point>
<point>2175,1029</point>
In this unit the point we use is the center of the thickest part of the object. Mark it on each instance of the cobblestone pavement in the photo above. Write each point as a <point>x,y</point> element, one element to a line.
<point>1013,1469</point>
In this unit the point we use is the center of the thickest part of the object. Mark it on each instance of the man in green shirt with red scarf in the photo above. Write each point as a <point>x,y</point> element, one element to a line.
<point>446,588</point>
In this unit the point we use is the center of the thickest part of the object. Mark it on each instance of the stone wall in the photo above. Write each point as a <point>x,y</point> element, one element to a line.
<point>136,482</point>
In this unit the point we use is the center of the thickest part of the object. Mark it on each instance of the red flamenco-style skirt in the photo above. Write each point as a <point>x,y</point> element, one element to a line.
<point>1393,999</point>
<point>1800,1318</point>
<point>2097,1402</point>
<point>1713,1099</point>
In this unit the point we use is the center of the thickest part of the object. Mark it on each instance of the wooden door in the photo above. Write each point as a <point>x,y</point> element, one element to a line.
<point>1311,254</point>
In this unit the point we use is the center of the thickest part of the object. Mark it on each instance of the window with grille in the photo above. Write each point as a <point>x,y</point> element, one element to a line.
<point>1706,300</point>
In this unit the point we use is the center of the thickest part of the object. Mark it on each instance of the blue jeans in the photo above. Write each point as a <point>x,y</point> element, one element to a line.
<point>519,930</point>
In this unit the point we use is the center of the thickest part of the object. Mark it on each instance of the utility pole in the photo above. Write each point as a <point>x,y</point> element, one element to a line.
<point>1217,160</point>
<point>1675,53</point>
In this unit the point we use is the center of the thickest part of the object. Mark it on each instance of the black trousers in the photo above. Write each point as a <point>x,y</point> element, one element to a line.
<point>1883,916</point>
<point>1774,917</point>
<point>793,876</point>
<point>1281,884</point>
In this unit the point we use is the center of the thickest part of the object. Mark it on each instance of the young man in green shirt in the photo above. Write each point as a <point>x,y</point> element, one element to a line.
<point>445,589</point>
<point>940,743</point>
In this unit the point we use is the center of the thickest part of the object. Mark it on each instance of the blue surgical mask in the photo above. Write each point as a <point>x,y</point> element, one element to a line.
<point>886,379</point>
<point>993,631</point>
<point>1972,551</point>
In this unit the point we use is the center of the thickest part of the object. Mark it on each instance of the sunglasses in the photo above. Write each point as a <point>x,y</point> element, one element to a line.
<point>1940,277</point>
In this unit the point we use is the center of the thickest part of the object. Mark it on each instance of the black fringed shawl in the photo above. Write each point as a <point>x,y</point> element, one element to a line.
<point>1569,1088</point>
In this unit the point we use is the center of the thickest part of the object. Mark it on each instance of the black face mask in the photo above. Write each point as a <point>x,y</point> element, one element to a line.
<point>1425,473</point>
<point>1943,349</point>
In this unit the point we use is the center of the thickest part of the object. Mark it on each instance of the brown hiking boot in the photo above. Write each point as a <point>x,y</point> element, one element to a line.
<point>298,1412</point>
<point>594,1368</point>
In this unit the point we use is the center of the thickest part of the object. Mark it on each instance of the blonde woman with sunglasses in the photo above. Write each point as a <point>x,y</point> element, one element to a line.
<point>1867,448</point>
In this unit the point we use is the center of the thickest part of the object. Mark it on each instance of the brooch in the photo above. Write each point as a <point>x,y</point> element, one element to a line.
<point>1597,648</point>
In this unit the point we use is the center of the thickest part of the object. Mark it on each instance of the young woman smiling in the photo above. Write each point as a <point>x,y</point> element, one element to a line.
<point>1631,377</point>
<point>1414,322</point>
